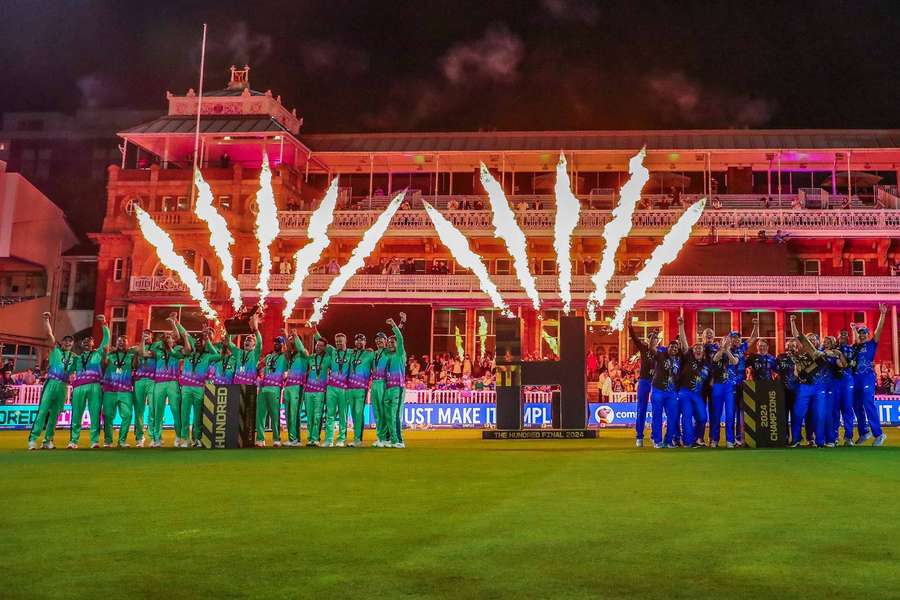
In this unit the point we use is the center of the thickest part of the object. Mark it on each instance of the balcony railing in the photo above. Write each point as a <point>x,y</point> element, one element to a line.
<point>166,284</point>
<point>581,284</point>
<point>799,222</point>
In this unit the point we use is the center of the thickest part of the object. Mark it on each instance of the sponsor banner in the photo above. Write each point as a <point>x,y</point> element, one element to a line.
<point>465,416</point>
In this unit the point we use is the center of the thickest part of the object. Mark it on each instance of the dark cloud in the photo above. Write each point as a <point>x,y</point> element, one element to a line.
<point>683,100</point>
<point>495,56</point>
<point>320,55</point>
<point>583,11</point>
<point>98,90</point>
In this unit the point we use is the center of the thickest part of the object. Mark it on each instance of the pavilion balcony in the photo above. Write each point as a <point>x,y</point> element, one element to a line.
<point>791,287</point>
<point>166,284</point>
<point>733,222</point>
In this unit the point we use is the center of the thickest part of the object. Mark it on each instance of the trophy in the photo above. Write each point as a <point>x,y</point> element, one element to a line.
<point>239,324</point>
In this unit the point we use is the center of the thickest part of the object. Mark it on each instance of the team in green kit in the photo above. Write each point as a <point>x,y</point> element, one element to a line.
<point>328,386</point>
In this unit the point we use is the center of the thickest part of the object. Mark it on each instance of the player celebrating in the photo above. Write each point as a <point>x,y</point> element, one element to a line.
<point>724,375</point>
<point>295,379</point>
<point>53,396</point>
<point>361,361</point>
<point>143,384</point>
<point>268,402</point>
<point>86,386</point>
<point>810,366</point>
<point>376,389</point>
<point>395,376</point>
<point>336,391</point>
<point>118,390</point>
<point>194,371</point>
<point>314,391</point>
<point>842,389</point>
<point>165,386</point>
<point>647,354</point>
<point>864,381</point>
<point>836,365</point>
<point>692,379</point>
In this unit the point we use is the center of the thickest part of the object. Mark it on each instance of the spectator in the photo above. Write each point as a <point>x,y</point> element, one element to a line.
<point>333,267</point>
<point>716,203</point>
<point>467,366</point>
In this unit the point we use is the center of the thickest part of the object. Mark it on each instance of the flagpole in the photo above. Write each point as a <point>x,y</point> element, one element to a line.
<point>199,106</point>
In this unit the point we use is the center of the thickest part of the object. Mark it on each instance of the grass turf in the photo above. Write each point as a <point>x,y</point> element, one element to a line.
<point>451,516</point>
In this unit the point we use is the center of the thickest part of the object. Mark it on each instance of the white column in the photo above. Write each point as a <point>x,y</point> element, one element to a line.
<point>70,298</point>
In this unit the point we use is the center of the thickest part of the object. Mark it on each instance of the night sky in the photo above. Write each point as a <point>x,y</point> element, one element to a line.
<point>433,64</point>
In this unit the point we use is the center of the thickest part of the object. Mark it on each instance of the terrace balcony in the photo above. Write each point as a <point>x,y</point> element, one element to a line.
<point>164,284</point>
<point>790,288</point>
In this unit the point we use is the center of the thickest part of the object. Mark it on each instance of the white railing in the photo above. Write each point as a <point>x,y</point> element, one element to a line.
<point>581,284</point>
<point>175,217</point>
<point>623,397</point>
<point>166,284</point>
<point>592,221</point>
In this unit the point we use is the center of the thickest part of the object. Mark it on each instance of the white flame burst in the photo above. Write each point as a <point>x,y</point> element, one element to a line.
<point>460,350</point>
<point>357,258</point>
<point>308,255</point>
<point>220,238</point>
<point>507,228</point>
<point>568,210</point>
<point>165,250</point>
<point>617,229</point>
<point>266,227</point>
<point>663,254</point>
<point>459,247</point>
<point>482,333</point>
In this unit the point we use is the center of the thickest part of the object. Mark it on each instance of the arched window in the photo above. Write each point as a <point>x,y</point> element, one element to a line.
<point>131,203</point>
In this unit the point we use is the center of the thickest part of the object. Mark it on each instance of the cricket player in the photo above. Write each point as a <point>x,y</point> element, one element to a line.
<point>695,371</point>
<point>165,387</point>
<point>194,372</point>
<point>246,363</point>
<point>836,364</point>
<point>314,390</point>
<point>223,369</point>
<point>843,388</point>
<point>361,361</point>
<point>376,389</point>
<point>336,405</point>
<point>647,353</point>
<point>395,387</point>
<point>53,396</point>
<point>810,366</point>
<point>86,386</point>
<point>118,390</point>
<point>294,382</point>
<point>268,401</point>
<point>787,374</point>
<point>143,376</point>
<point>864,382</point>
<point>724,375</point>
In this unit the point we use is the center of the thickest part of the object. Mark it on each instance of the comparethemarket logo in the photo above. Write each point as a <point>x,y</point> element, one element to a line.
<point>604,414</point>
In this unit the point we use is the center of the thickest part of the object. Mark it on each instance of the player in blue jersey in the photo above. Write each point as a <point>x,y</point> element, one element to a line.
<point>864,381</point>
<point>724,377</point>
<point>842,389</point>
<point>810,404</point>
<point>647,360</point>
<point>695,371</point>
<point>663,396</point>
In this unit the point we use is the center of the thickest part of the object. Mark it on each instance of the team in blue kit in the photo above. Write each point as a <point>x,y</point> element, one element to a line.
<point>829,386</point>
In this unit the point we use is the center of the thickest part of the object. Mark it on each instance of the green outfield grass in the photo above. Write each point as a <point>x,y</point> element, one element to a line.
<point>451,516</point>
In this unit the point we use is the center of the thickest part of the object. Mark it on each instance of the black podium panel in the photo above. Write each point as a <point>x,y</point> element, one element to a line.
<point>764,414</point>
<point>568,410</point>
<point>221,416</point>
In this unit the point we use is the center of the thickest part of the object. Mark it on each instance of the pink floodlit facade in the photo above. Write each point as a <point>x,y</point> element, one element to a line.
<point>799,222</point>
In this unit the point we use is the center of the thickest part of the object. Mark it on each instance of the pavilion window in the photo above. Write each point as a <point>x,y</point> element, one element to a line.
<point>858,267</point>
<point>808,321</point>
<point>812,267</point>
<point>767,331</point>
<point>717,320</point>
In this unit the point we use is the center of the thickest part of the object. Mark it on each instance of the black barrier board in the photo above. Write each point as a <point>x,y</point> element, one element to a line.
<point>538,434</point>
<point>220,421</point>
<point>764,414</point>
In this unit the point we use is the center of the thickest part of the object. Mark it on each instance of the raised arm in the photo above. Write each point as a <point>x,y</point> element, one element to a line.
<point>48,329</point>
<point>104,343</point>
<point>299,347</point>
<point>682,336</point>
<point>638,342</point>
<point>754,335</point>
<point>187,340</point>
<point>804,341</point>
<point>229,340</point>
<point>878,328</point>
<point>401,348</point>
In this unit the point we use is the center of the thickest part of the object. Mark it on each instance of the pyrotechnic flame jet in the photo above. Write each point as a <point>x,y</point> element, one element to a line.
<point>165,250</point>
<point>220,238</point>
<point>460,351</point>
<point>358,257</point>
<point>266,226</point>
<point>454,240</point>
<point>663,254</point>
<point>507,228</point>
<point>308,255</point>
<point>482,332</point>
<point>567,211</point>
<point>617,229</point>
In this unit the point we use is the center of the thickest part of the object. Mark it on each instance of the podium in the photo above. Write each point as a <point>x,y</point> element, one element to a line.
<point>568,411</point>
<point>222,417</point>
<point>764,412</point>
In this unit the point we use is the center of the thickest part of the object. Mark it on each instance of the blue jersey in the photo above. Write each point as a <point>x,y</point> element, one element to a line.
<point>666,370</point>
<point>812,371</point>
<point>694,373</point>
<point>785,366</point>
<point>864,354</point>
<point>762,366</point>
